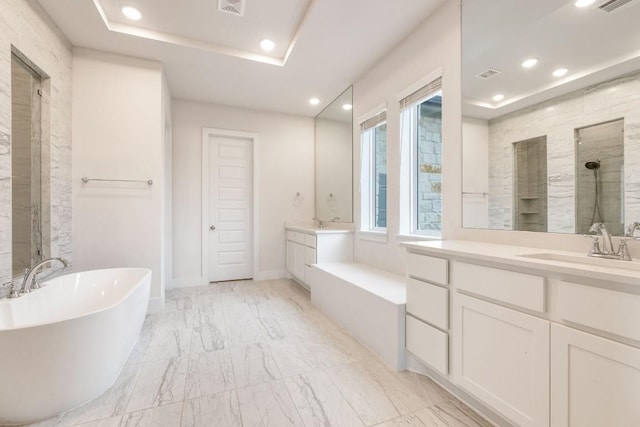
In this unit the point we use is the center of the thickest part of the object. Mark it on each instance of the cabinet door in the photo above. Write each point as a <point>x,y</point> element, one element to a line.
<point>594,381</point>
<point>299,251</point>
<point>501,356</point>
<point>291,257</point>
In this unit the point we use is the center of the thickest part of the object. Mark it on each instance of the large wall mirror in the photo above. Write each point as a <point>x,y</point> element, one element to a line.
<point>334,164</point>
<point>551,114</point>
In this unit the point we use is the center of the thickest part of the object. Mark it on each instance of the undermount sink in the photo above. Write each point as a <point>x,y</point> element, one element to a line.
<point>586,260</point>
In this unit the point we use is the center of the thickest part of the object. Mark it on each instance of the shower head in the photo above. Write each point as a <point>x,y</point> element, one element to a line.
<point>592,165</point>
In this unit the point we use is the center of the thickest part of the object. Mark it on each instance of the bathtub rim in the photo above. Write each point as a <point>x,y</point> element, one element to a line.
<point>147,274</point>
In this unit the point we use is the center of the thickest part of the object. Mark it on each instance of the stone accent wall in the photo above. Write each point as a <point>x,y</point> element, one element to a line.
<point>430,172</point>
<point>25,26</point>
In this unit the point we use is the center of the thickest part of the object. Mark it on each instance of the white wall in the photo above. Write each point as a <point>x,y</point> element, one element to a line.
<point>285,167</point>
<point>434,44</point>
<point>475,175</point>
<point>118,133</point>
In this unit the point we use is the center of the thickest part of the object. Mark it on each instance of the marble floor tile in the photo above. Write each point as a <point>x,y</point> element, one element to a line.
<point>448,414</point>
<point>179,302</point>
<point>160,382</point>
<point>112,403</point>
<point>167,343</point>
<point>219,410</point>
<point>268,405</point>
<point>209,373</point>
<point>106,422</point>
<point>171,320</point>
<point>253,364</point>
<point>292,357</point>
<point>320,403</point>
<point>258,353</point>
<point>373,400</point>
<point>162,416</point>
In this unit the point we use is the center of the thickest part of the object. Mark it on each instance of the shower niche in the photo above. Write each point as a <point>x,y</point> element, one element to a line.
<point>530,182</point>
<point>600,176</point>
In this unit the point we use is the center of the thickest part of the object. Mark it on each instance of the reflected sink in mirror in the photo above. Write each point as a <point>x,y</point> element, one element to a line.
<point>586,260</point>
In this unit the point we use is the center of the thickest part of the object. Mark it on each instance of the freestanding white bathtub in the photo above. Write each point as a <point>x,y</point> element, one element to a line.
<point>66,343</point>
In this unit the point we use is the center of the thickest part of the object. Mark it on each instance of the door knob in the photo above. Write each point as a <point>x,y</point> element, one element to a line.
<point>212,228</point>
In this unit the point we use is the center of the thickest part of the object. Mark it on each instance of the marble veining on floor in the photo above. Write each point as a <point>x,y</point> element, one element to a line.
<point>259,354</point>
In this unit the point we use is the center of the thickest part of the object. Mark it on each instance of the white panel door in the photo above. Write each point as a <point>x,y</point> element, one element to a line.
<point>594,381</point>
<point>230,208</point>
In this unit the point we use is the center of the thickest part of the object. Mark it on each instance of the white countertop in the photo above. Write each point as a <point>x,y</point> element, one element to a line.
<point>313,230</point>
<point>627,272</point>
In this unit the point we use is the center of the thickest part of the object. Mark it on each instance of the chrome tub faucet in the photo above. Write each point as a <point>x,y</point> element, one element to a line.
<point>30,274</point>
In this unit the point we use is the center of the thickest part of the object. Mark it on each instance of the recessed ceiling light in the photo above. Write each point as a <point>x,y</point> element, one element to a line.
<point>347,107</point>
<point>583,3</point>
<point>267,45</point>
<point>528,63</point>
<point>131,13</point>
<point>498,97</point>
<point>560,72</point>
<point>314,101</point>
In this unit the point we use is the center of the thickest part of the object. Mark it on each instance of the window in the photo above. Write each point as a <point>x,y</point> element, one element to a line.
<point>373,191</point>
<point>421,144</point>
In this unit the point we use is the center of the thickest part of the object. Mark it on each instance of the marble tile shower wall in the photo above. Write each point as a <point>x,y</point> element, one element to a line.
<point>558,119</point>
<point>25,25</point>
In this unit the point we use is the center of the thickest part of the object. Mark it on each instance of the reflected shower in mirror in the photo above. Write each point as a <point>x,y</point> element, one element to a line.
<point>334,150</point>
<point>599,176</point>
<point>26,201</point>
<point>582,96</point>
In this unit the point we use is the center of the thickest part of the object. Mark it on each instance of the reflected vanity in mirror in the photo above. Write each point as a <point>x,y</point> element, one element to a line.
<point>334,169</point>
<point>552,146</point>
<point>26,171</point>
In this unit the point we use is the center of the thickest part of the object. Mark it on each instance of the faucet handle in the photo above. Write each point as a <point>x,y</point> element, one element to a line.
<point>623,251</point>
<point>595,244</point>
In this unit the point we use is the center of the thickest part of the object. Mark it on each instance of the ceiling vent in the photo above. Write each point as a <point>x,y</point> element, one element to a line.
<point>234,7</point>
<point>612,5</point>
<point>491,72</point>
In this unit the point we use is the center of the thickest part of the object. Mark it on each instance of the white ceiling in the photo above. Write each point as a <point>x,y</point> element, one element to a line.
<point>592,44</point>
<point>323,46</point>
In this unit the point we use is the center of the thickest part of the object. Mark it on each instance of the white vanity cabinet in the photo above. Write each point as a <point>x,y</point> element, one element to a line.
<point>427,319</point>
<point>501,356</point>
<point>539,343</point>
<point>594,381</point>
<point>306,247</point>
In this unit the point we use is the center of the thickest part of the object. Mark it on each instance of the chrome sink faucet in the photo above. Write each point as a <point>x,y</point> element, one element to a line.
<point>607,243</point>
<point>319,223</point>
<point>30,274</point>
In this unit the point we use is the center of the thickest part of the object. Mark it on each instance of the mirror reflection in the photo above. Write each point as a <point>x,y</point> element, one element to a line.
<point>334,176</point>
<point>551,115</point>
<point>25,166</point>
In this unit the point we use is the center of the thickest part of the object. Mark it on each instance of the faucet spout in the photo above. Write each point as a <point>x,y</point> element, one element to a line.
<point>31,273</point>
<point>607,243</point>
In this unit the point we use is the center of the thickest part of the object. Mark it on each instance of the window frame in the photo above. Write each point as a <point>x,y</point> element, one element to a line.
<point>368,196</point>
<point>409,157</point>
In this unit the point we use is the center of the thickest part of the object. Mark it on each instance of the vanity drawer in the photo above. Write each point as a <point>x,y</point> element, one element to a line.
<point>290,235</point>
<point>428,302</point>
<point>311,240</point>
<point>428,344</point>
<point>310,256</point>
<point>519,289</point>
<point>431,269</point>
<point>609,311</point>
<point>299,237</point>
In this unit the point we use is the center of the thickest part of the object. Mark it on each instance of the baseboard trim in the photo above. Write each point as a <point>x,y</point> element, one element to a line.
<point>270,275</point>
<point>186,282</point>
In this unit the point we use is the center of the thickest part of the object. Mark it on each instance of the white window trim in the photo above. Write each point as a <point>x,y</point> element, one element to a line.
<point>367,178</point>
